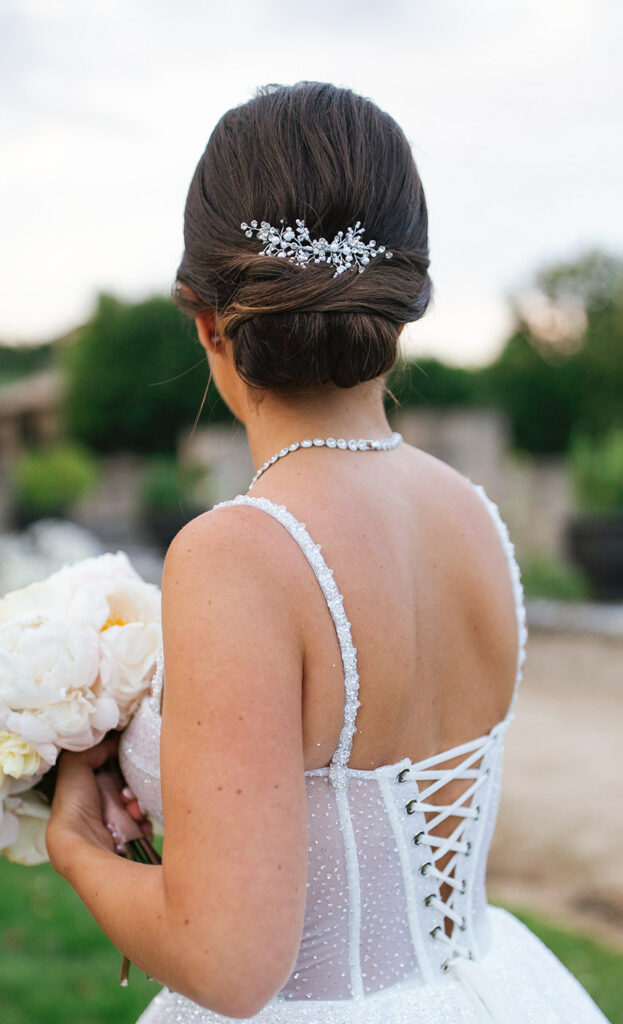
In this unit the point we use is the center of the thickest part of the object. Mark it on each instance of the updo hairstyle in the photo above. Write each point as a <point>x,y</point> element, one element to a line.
<point>327,156</point>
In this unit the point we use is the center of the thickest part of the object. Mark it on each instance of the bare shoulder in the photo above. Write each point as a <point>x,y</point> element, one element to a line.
<point>226,532</point>
<point>455,496</point>
<point>236,551</point>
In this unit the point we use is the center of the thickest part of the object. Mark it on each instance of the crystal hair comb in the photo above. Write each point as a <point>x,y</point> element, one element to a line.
<point>345,252</point>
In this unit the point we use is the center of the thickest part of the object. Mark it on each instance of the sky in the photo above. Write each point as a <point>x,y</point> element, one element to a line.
<point>513,109</point>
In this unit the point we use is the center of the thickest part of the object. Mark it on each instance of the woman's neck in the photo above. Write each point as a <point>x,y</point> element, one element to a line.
<point>277,421</point>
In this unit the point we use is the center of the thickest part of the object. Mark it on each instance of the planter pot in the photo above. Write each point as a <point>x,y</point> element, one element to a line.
<point>164,524</point>
<point>22,517</point>
<point>596,544</point>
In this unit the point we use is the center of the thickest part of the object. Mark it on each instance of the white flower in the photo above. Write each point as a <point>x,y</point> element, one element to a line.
<point>106,595</point>
<point>48,596</point>
<point>130,653</point>
<point>23,821</point>
<point>18,758</point>
<point>79,592</point>
<point>9,826</point>
<point>77,653</point>
<point>50,687</point>
<point>130,632</point>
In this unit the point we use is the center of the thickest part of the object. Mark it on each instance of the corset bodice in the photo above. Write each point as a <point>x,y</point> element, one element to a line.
<point>396,868</point>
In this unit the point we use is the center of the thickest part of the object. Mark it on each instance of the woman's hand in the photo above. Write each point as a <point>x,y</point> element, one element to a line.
<point>133,808</point>
<point>76,808</point>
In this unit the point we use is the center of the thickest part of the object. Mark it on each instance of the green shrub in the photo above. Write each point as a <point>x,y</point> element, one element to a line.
<point>136,377</point>
<point>18,361</point>
<point>164,486</point>
<point>47,480</point>
<point>597,471</point>
<point>430,382</point>
<point>543,576</point>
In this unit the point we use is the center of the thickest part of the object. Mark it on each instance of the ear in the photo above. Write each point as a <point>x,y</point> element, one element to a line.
<point>207,331</point>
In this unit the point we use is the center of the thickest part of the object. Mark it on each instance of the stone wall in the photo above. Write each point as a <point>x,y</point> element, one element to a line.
<point>112,510</point>
<point>224,454</point>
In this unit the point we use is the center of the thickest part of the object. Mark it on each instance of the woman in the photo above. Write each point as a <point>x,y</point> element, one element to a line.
<point>330,738</point>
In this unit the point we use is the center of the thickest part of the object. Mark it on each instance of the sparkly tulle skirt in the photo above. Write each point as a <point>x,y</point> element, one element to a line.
<point>519,981</point>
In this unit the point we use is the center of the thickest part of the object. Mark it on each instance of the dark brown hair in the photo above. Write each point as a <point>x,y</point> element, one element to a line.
<point>327,156</point>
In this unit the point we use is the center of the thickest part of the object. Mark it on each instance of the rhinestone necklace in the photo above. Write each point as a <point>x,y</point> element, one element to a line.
<point>362,445</point>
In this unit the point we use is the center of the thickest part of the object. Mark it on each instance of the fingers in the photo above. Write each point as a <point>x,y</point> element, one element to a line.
<point>116,838</point>
<point>131,804</point>
<point>122,826</point>
<point>101,753</point>
<point>96,756</point>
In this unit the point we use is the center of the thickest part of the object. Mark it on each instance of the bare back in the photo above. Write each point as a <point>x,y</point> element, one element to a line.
<point>427,590</point>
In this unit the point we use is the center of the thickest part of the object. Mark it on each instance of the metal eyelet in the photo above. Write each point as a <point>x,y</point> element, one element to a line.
<point>423,870</point>
<point>417,839</point>
<point>401,774</point>
<point>429,899</point>
<point>445,966</point>
<point>409,808</point>
<point>468,851</point>
<point>478,809</point>
<point>463,925</point>
<point>434,932</point>
<point>463,886</point>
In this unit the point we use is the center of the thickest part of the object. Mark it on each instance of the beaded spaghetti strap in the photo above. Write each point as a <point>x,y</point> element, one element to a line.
<point>515,575</point>
<point>335,602</point>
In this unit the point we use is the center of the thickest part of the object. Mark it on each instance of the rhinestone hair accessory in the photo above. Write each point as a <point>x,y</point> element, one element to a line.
<point>345,252</point>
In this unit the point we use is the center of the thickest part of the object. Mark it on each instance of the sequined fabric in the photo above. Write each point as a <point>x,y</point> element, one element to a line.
<point>536,986</point>
<point>397,926</point>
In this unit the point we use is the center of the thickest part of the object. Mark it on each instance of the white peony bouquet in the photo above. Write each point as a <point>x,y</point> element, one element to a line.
<point>77,655</point>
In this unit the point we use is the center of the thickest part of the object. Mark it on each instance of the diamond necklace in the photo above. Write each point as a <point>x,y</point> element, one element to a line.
<point>362,445</point>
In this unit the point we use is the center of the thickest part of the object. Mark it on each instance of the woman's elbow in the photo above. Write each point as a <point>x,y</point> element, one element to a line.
<point>237,987</point>
<point>241,1005</point>
<point>240,1001</point>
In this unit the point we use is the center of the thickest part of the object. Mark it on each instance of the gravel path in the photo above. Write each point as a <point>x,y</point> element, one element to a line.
<point>558,847</point>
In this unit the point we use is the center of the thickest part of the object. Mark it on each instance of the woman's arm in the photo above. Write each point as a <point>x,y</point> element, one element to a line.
<point>220,920</point>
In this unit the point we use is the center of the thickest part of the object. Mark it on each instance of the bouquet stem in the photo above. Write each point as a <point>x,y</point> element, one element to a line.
<point>130,840</point>
<point>143,852</point>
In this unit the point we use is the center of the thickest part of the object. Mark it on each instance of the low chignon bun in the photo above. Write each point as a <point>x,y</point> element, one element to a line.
<point>327,156</point>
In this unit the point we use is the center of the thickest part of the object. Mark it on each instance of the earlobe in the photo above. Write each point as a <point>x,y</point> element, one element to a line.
<point>207,330</point>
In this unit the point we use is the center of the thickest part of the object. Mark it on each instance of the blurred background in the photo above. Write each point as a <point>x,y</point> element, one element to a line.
<point>515,376</point>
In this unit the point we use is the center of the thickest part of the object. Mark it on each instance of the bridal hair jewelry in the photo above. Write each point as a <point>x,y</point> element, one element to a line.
<point>361,445</point>
<point>345,252</point>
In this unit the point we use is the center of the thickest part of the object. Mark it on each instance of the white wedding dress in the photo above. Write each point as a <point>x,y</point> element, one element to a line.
<point>374,948</point>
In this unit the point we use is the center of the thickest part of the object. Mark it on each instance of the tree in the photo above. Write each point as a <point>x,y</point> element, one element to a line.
<point>136,377</point>
<point>430,382</point>
<point>21,360</point>
<point>561,371</point>
<point>542,397</point>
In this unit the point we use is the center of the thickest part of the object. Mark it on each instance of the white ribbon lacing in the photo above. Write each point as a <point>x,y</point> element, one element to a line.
<point>489,1001</point>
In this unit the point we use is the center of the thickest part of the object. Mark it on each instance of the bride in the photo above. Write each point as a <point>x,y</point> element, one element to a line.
<point>342,644</point>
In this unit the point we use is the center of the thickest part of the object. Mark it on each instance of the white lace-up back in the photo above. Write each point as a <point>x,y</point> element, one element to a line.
<point>397,925</point>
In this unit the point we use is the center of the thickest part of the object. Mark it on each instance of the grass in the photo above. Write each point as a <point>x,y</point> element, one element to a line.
<point>56,966</point>
<point>597,967</point>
